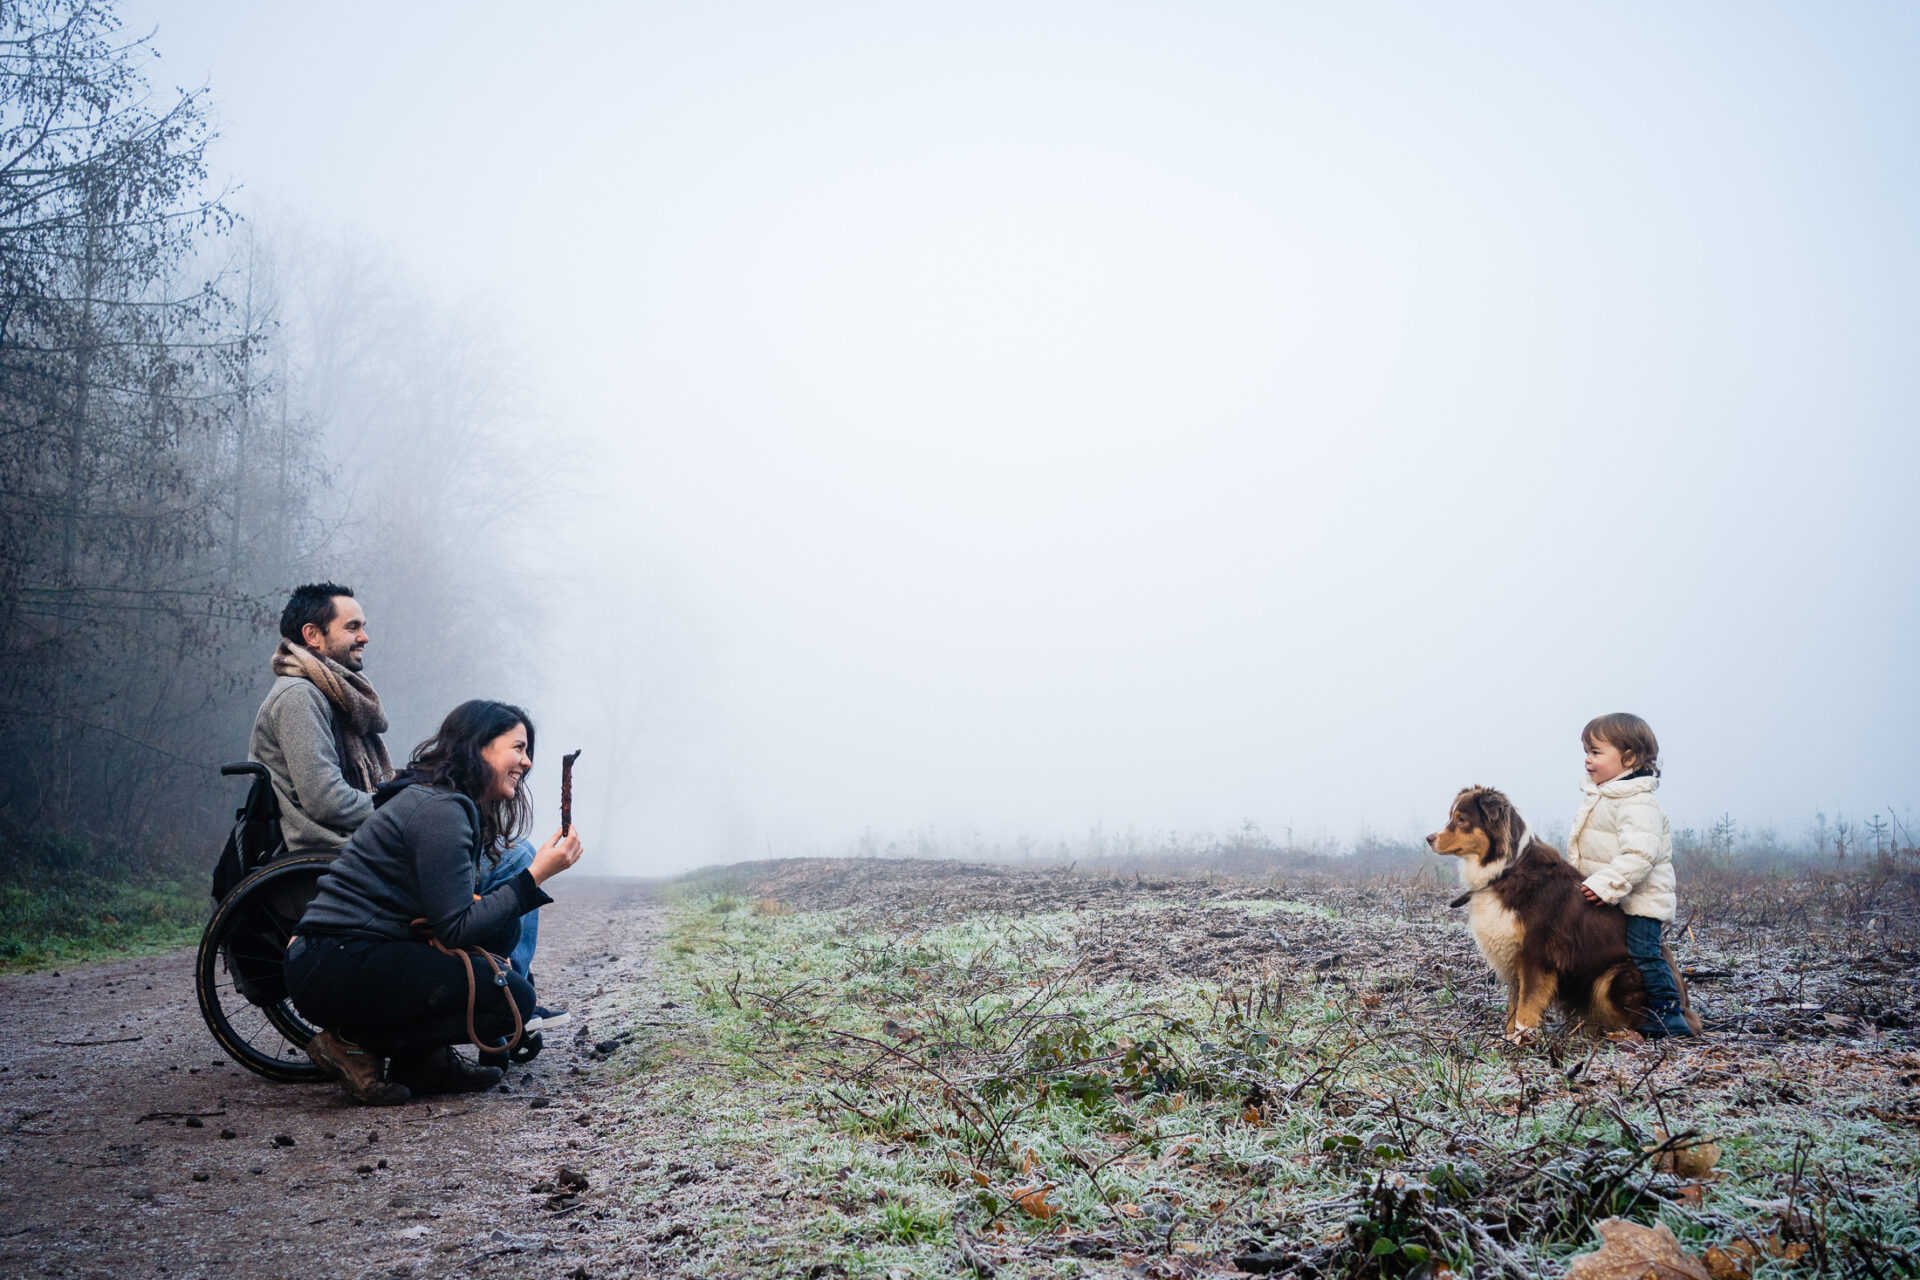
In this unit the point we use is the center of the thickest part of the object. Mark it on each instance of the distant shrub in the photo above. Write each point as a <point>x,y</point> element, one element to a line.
<point>76,917</point>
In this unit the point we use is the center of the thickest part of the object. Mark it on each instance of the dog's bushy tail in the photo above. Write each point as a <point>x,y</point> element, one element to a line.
<point>1619,999</point>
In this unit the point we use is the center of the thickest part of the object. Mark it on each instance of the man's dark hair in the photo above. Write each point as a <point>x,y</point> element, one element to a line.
<point>312,603</point>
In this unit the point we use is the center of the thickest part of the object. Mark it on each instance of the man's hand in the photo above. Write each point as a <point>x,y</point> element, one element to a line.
<point>555,856</point>
<point>1592,897</point>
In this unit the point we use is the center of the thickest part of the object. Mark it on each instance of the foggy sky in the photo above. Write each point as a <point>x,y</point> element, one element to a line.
<point>1162,417</point>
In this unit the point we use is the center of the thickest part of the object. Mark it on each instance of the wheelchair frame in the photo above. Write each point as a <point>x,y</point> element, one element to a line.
<point>239,973</point>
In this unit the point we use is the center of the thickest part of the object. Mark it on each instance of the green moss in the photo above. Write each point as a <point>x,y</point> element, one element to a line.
<point>76,919</point>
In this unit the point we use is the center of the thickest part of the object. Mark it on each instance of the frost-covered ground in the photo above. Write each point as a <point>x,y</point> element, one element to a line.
<point>813,1069</point>
<point>872,1068</point>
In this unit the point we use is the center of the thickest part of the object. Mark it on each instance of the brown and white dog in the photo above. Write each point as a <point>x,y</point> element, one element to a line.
<point>1546,941</point>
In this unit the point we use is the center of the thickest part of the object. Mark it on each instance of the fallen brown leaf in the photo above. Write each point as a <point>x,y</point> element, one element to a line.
<point>1629,1251</point>
<point>1032,1201</point>
<point>1735,1262</point>
<point>1692,1159</point>
<point>1737,1259</point>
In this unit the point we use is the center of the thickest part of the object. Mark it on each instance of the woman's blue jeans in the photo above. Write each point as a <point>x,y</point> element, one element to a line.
<point>517,858</point>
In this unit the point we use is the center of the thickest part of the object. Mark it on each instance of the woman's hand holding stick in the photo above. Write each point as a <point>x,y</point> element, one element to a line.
<point>561,852</point>
<point>555,856</point>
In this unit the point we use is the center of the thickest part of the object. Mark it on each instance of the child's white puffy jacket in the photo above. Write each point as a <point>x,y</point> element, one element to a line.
<point>1619,842</point>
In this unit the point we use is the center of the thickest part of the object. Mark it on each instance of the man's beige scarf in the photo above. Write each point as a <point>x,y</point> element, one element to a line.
<point>358,720</point>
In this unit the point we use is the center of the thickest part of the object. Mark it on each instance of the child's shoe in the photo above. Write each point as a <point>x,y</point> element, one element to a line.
<point>1664,1019</point>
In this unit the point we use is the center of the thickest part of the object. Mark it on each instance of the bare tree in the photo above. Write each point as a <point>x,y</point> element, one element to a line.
<point>178,389</point>
<point>123,377</point>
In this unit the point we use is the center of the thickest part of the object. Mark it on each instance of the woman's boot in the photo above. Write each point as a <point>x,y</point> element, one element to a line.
<point>357,1070</point>
<point>442,1071</point>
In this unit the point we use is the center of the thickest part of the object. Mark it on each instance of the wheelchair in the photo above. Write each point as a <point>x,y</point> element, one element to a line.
<point>261,891</point>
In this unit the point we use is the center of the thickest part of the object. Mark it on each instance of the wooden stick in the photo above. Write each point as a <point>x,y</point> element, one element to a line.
<point>566,791</point>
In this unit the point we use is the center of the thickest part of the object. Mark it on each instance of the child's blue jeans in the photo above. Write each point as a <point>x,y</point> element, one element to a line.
<point>1663,998</point>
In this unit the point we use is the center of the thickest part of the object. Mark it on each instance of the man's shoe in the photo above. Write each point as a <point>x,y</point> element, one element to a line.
<point>545,1019</point>
<point>443,1071</point>
<point>528,1049</point>
<point>357,1070</point>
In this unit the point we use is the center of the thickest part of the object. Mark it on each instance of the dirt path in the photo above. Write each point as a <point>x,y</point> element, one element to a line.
<point>104,1171</point>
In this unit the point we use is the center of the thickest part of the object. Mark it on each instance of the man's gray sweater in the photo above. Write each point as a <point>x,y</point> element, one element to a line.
<point>415,858</point>
<point>293,737</point>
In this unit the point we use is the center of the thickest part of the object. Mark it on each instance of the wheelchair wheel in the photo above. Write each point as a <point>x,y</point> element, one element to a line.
<point>239,977</point>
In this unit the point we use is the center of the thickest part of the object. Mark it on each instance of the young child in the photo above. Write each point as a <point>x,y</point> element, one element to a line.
<point>1619,841</point>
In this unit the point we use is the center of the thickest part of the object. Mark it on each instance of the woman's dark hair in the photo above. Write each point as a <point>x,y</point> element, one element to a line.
<point>451,759</point>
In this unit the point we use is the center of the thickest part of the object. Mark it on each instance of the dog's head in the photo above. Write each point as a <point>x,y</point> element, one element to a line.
<point>1482,828</point>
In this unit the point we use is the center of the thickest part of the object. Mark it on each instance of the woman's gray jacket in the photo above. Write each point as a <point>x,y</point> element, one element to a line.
<point>418,856</point>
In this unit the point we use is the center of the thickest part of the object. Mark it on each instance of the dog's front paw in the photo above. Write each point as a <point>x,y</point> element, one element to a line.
<point>1520,1035</point>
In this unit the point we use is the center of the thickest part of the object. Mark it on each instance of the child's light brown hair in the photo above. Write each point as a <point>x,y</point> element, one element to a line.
<point>1628,734</point>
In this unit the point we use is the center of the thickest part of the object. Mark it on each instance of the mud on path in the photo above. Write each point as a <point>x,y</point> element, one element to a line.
<point>159,1156</point>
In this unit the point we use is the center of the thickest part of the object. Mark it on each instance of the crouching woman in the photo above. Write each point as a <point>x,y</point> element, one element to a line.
<point>360,964</point>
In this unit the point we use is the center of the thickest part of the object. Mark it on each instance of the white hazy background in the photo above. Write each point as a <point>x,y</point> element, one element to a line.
<point>1002,419</point>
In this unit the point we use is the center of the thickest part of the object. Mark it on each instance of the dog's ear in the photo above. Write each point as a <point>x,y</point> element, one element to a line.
<point>1516,831</point>
<point>1496,817</point>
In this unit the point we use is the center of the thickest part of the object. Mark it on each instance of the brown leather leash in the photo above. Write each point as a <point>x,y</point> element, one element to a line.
<point>499,980</point>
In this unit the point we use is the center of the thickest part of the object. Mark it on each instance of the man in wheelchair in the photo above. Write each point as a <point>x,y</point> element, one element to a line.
<point>318,731</point>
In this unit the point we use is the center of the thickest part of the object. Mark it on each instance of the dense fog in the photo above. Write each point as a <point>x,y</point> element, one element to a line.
<point>1047,432</point>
